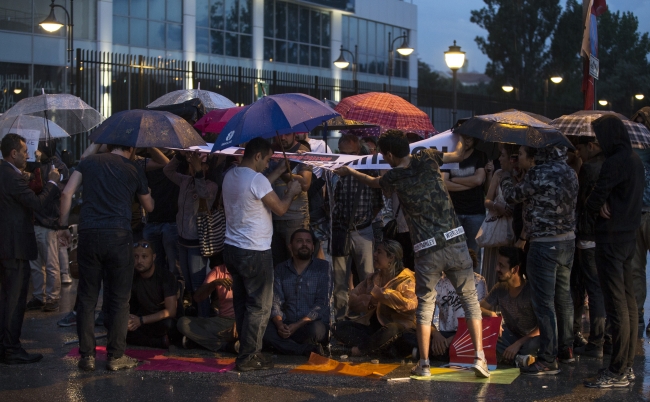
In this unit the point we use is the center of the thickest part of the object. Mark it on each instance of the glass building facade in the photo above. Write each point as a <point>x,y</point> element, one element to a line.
<point>154,24</point>
<point>224,27</point>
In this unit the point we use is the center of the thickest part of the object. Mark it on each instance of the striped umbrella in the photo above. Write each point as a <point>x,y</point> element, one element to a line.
<point>579,124</point>
<point>387,111</point>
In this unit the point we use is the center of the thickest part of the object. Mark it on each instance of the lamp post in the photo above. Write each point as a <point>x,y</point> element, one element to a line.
<point>555,79</point>
<point>404,49</point>
<point>342,63</point>
<point>455,59</point>
<point>51,24</point>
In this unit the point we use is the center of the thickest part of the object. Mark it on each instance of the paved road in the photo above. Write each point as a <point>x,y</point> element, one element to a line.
<point>58,379</point>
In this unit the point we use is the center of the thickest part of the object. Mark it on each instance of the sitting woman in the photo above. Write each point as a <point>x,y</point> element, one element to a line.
<point>386,302</point>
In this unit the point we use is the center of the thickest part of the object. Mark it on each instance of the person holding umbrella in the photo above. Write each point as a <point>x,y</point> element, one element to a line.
<point>110,181</point>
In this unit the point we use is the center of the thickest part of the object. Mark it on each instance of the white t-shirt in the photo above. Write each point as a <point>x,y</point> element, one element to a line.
<point>448,302</point>
<point>249,224</point>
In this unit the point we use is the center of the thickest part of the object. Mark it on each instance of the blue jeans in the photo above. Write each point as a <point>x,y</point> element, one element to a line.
<point>163,236</point>
<point>252,294</point>
<point>104,255</point>
<point>471,224</point>
<point>193,267</point>
<point>548,268</point>
<point>507,338</point>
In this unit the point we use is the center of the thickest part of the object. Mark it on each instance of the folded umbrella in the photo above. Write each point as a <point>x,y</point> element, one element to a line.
<point>513,127</point>
<point>28,126</point>
<point>578,124</point>
<point>68,111</point>
<point>147,128</point>
<point>274,115</point>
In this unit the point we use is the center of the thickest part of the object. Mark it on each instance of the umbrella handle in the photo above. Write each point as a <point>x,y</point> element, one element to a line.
<point>286,161</point>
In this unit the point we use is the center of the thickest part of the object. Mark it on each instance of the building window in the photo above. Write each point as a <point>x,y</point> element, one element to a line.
<point>148,23</point>
<point>224,27</point>
<point>372,40</point>
<point>296,35</point>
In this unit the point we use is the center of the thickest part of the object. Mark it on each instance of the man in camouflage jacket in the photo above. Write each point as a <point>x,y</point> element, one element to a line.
<point>548,192</point>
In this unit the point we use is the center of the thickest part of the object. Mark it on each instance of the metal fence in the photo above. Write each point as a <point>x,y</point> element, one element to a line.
<point>113,82</point>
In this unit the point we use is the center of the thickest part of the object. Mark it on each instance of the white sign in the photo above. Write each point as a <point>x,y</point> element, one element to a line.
<point>594,66</point>
<point>31,139</point>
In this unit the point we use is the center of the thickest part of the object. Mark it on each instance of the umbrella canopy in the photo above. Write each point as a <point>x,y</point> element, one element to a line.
<point>579,124</point>
<point>216,120</point>
<point>68,111</point>
<point>339,123</point>
<point>147,128</point>
<point>28,126</point>
<point>387,111</point>
<point>513,127</point>
<point>272,115</point>
<point>210,100</point>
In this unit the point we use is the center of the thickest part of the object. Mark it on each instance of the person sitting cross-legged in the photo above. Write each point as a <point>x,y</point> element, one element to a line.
<point>213,333</point>
<point>519,340</point>
<point>154,298</point>
<point>386,301</point>
<point>300,313</point>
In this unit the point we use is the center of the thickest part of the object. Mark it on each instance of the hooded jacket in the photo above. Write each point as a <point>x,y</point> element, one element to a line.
<point>548,193</point>
<point>587,178</point>
<point>620,184</point>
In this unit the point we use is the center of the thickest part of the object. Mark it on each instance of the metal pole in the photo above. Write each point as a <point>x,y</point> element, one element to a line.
<point>71,46</point>
<point>454,111</point>
<point>545,94</point>
<point>354,69</point>
<point>390,62</point>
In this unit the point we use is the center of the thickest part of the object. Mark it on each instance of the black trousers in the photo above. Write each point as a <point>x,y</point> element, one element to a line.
<point>614,262</point>
<point>152,335</point>
<point>104,255</point>
<point>371,338</point>
<point>14,284</point>
<point>300,343</point>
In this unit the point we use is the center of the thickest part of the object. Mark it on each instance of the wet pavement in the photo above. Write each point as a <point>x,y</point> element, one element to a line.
<point>57,378</point>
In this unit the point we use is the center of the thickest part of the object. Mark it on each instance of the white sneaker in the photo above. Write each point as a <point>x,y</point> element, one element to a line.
<point>480,368</point>
<point>421,371</point>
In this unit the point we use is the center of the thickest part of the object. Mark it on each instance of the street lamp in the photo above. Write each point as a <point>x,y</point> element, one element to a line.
<point>555,79</point>
<point>455,59</point>
<point>602,102</point>
<point>404,49</point>
<point>507,87</point>
<point>51,24</point>
<point>342,63</point>
<point>637,97</point>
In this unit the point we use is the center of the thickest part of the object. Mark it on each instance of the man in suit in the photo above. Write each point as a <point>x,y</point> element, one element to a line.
<point>17,244</point>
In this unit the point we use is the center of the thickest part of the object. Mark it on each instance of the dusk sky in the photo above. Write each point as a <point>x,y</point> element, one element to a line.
<point>440,22</point>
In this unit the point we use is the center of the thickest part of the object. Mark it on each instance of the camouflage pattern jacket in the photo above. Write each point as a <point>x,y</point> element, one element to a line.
<point>548,192</point>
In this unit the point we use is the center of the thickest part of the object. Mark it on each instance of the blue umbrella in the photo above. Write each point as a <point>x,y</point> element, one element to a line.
<point>274,115</point>
<point>146,128</point>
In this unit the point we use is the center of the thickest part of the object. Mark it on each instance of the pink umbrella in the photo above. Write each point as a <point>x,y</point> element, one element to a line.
<point>215,121</point>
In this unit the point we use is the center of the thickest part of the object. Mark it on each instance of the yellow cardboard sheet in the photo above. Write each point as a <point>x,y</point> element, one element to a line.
<point>322,365</point>
<point>499,376</point>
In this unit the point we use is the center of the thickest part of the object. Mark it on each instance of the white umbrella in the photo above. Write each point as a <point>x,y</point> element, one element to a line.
<point>31,126</point>
<point>210,100</point>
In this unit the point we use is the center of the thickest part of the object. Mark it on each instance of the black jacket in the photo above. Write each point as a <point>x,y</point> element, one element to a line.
<point>620,184</point>
<point>587,178</point>
<point>17,203</point>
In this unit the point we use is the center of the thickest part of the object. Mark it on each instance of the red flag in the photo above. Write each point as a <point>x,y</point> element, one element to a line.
<point>590,47</point>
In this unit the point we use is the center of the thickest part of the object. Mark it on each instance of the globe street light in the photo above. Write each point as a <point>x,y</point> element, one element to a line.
<point>555,79</point>
<point>507,87</point>
<point>342,63</point>
<point>602,102</point>
<point>404,49</point>
<point>455,59</point>
<point>639,96</point>
<point>51,24</point>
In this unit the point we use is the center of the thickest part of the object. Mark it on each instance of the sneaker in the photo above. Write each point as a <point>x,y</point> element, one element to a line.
<point>541,368</point>
<point>50,306</point>
<point>121,363</point>
<point>87,363</point>
<point>66,280</point>
<point>68,321</point>
<point>524,360</point>
<point>34,304</point>
<point>590,351</point>
<point>579,340</point>
<point>256,362</point>
<point>421,370</point>
<point>99,321</point>
<point>566,356</point>
<point>629,373</point>
<point>480,368</point>
<point>607,379</point>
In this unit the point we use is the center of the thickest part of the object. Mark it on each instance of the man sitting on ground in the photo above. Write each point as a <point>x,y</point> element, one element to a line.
<point>519,340</point>
<point>152,321</point>
<point>300,300</point>
<point>213,333</point>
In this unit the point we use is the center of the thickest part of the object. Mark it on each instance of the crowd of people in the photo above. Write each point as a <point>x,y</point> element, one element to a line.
<point>526,234</point>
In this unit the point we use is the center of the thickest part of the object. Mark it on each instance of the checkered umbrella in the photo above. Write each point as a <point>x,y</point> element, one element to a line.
<point>387,111</point>
<point>579,124</point>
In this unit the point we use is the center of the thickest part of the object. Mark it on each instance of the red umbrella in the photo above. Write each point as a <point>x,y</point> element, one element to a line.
<point>215,121</point>
<point>387,111</point>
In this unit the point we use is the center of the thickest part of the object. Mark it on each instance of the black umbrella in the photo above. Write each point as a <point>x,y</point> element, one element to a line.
<point>147,128</point>
<point>513,127</point>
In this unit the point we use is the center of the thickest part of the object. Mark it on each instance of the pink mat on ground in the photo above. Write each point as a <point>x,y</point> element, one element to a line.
<point>155,361</point>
